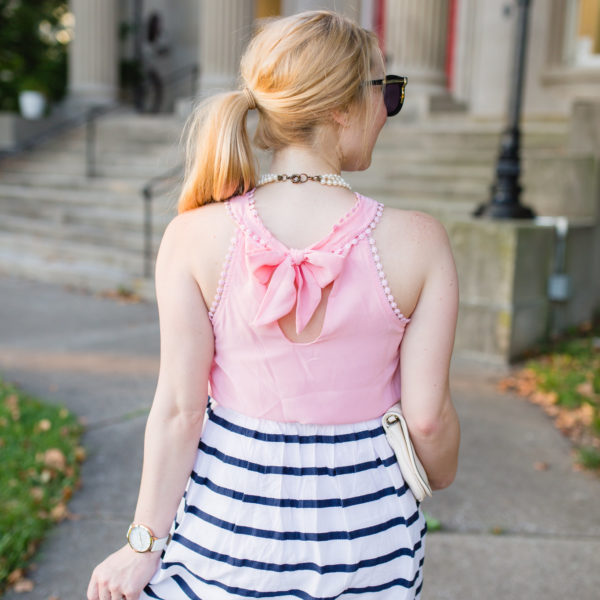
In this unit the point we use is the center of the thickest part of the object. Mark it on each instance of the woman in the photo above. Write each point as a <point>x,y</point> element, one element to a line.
<point>289,488</point>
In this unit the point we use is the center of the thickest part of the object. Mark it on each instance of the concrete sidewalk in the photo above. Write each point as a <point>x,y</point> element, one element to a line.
<point>99,357</point>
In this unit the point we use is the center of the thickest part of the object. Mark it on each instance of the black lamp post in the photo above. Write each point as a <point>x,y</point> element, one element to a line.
<point>506,189</point>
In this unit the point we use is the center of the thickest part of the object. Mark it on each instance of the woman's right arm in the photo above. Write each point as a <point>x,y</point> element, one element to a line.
<point>425,355</point>
<point>176,418</point>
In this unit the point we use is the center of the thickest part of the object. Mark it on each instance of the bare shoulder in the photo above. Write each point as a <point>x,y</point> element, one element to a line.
<point>204,219</point>
<point>413,226</point>
<point>408,242</point>
<point>198,240</point>
<point>203,228</point>
<point>412,234</point>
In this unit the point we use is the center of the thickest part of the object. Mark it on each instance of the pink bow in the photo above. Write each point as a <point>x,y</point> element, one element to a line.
<point>292,277</point>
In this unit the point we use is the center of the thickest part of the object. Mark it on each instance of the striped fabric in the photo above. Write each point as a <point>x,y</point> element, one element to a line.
<point>290,510</point>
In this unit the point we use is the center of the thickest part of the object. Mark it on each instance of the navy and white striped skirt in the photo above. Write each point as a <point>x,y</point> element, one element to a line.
<point>290,510</point>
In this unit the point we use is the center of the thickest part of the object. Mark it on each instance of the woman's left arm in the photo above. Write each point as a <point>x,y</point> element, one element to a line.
<point>176,418</point>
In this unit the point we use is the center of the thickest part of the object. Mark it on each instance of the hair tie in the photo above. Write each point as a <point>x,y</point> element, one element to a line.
<point>250,98</point>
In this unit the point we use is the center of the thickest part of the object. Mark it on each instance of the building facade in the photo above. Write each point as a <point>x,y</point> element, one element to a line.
<point>457,54</point>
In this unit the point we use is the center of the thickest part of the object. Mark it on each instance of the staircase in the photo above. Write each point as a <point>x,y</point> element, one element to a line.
<point>58,225</point>
<point>445,166</point>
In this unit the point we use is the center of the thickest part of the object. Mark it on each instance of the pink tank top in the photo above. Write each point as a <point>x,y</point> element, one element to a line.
<point>351,372</point>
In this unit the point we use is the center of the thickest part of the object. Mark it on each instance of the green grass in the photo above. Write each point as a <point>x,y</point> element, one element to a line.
<point>433,524</point>
<point>39,458</point>
<point>567,365</point>
<point>570,369</point>
<point>589,457</point>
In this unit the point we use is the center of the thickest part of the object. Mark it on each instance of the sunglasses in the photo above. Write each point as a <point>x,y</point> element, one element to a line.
<point>393,92</point>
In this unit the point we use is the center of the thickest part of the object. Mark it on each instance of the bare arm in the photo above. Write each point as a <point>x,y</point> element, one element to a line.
<point>175,421</point>
<point>425,358</point>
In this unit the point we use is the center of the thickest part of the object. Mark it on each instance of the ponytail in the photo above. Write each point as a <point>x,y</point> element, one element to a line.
<point>219,162</point>
<point>297,69</point>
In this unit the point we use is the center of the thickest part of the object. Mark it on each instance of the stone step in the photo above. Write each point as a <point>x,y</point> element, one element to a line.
<point>439,208</point>
<point>452,123</point>
<point>125,162</point>
<point>466,136</point>
<point>397,165</point>
<point>143,128</point>
<point>94,197</point>
<point>460,144</point>
<point>72,181</point>
<point>58,225</point>
<point>124,170</point>
<point>133,154</point>
<point>73,221</point>
<point>81,232</point>
<point>117,264</point>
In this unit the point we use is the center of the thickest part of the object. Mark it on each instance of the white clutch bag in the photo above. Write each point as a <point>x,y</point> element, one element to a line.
<point>412,470</point>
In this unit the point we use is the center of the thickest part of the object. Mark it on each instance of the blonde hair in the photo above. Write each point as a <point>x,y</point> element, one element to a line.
<point>296,70</point>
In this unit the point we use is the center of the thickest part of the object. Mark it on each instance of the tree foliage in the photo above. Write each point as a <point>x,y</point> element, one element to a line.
<point>33,49</point>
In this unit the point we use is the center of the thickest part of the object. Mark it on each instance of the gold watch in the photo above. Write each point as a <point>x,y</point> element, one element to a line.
<point>141,539</point>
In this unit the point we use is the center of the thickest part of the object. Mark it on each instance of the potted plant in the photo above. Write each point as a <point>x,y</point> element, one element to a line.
<point>32,98</point>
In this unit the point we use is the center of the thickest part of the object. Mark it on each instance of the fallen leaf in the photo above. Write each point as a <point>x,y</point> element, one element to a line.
<point>540,465</point>
<point>55,459</point>
<point>585,413</point>
<point>15,576</point>
<point>23,585</point>
<point>586,389</point>
<point>45,475</point>
<point>67,493</point>
<point>44,425</point>
<point>37,493</point>
<point>59,512</point>
<point>80,454</point>
<point>565,420</point>
<point>12,403</point>
<point>31,548</point>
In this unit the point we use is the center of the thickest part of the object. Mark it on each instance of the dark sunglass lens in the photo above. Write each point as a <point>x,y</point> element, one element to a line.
<point>391,97</point>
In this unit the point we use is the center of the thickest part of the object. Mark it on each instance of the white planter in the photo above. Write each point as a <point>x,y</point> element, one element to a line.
<point>32,104</point>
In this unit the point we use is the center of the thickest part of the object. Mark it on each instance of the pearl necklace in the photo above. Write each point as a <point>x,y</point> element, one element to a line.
<point>327,179</point>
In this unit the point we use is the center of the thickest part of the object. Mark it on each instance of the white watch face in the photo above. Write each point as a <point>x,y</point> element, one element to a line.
<point>140,539</point>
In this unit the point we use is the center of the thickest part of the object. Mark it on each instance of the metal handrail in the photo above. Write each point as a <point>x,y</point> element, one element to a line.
<point>148,192</point>
<point>87,117</point>
<point>182,72</point>
<point>47,134</point>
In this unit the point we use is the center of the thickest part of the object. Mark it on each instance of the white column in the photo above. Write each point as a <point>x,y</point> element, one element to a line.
<point>350,8</point>
<point>555,45</point>
<point>225,28</point>
<point>415,44</point>
<point>93,60</point>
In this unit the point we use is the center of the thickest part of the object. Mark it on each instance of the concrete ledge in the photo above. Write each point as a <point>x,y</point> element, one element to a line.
<point>504,268</point>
